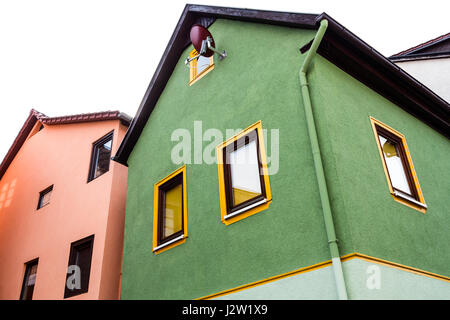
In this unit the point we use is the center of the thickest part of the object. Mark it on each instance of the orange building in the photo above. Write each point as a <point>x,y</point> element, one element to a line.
<point>62,208</point>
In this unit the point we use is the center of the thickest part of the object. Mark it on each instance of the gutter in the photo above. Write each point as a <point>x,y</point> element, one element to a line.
<point>320,175</point>
<point>420,56</point>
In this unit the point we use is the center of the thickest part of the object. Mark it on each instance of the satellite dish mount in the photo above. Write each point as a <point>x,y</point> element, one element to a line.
<point>203,42</point>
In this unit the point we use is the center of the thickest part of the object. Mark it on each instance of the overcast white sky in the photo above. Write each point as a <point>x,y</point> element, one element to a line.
<point>69,57</point>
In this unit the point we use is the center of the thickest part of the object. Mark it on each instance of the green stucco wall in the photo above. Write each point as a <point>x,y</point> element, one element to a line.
<point>259,81</point>
<point>367,217</point>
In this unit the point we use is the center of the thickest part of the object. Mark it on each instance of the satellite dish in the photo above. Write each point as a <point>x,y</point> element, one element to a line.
<point>203,42</point>
<point>198,35</point>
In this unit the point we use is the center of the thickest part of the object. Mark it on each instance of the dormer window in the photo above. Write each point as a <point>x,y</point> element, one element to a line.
<point>199,67</point>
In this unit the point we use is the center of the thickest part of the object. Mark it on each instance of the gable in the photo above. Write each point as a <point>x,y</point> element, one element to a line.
<point>35,119</point>
<point>339,46</point>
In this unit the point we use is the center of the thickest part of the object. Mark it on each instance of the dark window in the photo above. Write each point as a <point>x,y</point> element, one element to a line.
<point>244,180</point>
<point>170,209</point>
<point>101,156</point>
<point>79,268</point>
<point>44,197</point>
<point>29,280</point>
<point>396,162</point>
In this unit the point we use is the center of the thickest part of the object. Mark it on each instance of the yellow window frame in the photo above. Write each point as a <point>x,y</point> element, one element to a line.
<point>221,173</point>
<point>163,247</point>
<point>421,206</point>
<point>193,76</point>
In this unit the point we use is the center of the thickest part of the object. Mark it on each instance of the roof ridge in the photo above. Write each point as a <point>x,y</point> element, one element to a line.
<point>115,112</point>
<point>88,117</point>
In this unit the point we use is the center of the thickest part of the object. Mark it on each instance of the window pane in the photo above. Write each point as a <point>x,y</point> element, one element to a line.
<point>245,178</point>
<point>202,64</point>
<point>44,197</point>
<point>83,260</point>
<point>78,278</point>
<point>32,276</point>
<point>29,281</point>
<point>103,156</point>
<point>394,165</point>
<point>173,210</point>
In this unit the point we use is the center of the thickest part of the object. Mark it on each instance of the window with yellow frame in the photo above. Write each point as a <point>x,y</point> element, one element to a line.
<point>199,67</point>
<point>170,212</point>
<point>243,175</point>
<point>398,167</point>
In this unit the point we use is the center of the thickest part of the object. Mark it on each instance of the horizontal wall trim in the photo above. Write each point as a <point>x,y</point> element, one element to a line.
<point>326,264</point>
<point>395,265</point>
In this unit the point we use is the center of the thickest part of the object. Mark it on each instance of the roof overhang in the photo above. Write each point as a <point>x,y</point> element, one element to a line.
<point>357,58</point>
<point>339,46</point>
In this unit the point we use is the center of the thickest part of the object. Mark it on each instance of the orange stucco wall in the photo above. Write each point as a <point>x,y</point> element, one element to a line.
<point>59,155</point>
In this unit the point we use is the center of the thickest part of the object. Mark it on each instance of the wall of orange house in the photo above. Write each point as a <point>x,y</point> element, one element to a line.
<point>60,155</point>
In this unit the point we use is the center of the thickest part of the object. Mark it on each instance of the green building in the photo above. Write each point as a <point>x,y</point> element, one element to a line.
<point>303,165</point>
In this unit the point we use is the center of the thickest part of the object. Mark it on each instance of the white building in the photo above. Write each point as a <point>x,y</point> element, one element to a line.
<point>429,63</point>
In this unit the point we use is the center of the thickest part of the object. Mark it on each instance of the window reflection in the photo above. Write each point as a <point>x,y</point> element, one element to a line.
<point>103,157</point>
<point>245,177</point>
<point>394,165</point>
<point>29,281</point>
<point>173,211</point>
<point>202,64</point>
<point>44,197</point>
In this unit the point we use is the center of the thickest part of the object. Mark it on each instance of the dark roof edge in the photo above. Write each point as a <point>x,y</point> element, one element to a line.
<point>349,36</point>
<point>18,141</point>
<point>406,91</point>
<point>304,20</point>
<point>420,56</point>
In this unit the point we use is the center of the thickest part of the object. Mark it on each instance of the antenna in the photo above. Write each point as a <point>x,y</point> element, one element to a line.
<point>203,42</point>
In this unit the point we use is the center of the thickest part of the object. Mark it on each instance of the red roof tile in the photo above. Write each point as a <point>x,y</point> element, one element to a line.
<point>86,117</point>
<point>422,45</point>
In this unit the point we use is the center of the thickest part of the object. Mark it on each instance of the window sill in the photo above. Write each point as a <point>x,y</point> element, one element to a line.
<point>201,75</point>
<point>228,216</point>
<point>97,177</point>
<point>169,244</point>
<point>247,211</point>
<point>420,204</point>
<point>43,206</point>
<point>414,204</point>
